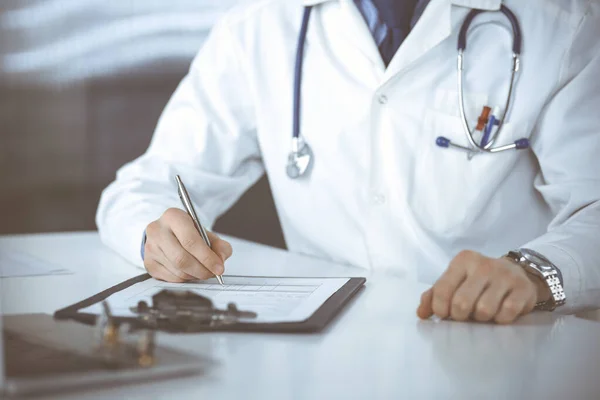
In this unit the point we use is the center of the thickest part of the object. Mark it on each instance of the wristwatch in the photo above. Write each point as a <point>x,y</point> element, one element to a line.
<point>536,264</point>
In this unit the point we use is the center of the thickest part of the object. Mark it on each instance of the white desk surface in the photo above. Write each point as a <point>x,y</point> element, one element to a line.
<point>376,349</point>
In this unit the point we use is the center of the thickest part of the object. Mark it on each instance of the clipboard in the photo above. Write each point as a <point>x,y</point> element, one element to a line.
<point>315,323</point>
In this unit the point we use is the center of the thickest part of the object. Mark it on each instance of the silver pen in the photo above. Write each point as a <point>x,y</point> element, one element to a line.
<point>189,208</point>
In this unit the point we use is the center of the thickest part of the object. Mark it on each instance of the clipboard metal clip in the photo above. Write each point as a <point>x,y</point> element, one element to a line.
<point>121,346</point>
<point>186,311</point>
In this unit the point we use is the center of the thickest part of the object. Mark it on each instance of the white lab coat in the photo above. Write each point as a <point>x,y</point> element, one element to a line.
<point>382,195</point>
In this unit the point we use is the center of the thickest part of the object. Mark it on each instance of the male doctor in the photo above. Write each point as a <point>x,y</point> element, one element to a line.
<point>498,234</point>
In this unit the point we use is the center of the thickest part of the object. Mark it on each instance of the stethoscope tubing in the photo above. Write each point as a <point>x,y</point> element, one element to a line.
<point>299,147</point>
<point>298,71</point>
<point>516,56</point>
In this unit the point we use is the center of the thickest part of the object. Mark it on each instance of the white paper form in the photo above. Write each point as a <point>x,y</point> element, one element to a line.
<point>16,264</point>
<point>274,299</point>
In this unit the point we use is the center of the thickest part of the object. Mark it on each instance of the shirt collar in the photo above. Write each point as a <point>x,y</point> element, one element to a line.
<point>492,5</point>
<point>479,4</point>
<point>313,2</point>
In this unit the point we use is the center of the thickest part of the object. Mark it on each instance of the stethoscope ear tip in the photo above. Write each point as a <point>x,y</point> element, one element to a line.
<point>522,144</point>
<point>442,141</point>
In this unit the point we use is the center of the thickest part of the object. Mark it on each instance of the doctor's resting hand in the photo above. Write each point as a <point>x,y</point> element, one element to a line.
<point>475,287</point>
<point>175,252</point>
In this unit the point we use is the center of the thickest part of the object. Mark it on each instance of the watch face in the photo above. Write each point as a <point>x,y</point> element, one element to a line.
<point>539,265</point>
<point>537,259</point>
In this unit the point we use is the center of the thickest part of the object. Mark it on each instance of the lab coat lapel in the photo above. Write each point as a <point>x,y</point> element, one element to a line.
<point>353,28</point>
<point>434,26</point>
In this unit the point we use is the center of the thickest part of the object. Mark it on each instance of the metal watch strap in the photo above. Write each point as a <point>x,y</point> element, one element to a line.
<point>546,271</point>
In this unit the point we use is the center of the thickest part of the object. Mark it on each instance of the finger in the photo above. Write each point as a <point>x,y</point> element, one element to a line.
<point>153,252</point>
<point>164,274</point>
<point>180,260</point>
<point>465,297</point>
<point>159,271</point>
<point>489,303</point>
<point>172,268</point>
<point>424,310</point>
<point>221,247</point>
<point>513,305</point>
<point>444,289</point>
<point>191,241</point>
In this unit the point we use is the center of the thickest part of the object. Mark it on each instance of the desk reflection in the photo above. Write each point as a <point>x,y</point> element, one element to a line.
<point>511,361</point>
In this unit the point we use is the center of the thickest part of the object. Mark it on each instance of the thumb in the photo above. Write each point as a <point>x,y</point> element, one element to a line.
<point>425,309</point>
<point>221,247</point>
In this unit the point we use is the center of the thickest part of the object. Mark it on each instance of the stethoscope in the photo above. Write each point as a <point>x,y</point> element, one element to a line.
<point>301,159</point>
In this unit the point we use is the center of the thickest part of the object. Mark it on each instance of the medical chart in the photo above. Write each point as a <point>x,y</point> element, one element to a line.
<point>17,264</point>
<point>274,299</point>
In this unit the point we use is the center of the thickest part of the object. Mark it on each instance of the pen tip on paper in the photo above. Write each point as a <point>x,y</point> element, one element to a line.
<point>220,279</point>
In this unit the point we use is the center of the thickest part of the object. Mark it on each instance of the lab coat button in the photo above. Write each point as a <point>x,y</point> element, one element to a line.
<point>383,99</point>
<point>378,199</point>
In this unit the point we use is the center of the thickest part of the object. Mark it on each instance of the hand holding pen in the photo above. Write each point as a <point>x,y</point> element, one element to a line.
<point>179,250</point>
<point>189,207</point>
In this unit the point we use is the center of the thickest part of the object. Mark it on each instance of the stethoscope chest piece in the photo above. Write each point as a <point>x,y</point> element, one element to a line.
<point>300,159</point>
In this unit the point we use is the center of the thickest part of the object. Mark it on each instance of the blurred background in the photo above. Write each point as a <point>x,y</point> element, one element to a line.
<point>82,85</point>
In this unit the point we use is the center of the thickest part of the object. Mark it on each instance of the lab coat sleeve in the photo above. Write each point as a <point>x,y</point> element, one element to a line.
<point>567,145</point>
<point>206,134</point>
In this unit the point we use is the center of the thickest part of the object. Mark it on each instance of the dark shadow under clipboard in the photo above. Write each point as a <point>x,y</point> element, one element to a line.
<point>315,323</point>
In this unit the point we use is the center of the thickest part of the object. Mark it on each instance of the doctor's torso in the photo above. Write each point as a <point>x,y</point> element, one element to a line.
<point>380,190</point>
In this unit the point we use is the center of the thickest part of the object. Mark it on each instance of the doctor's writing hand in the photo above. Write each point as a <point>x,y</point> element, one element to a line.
<point>484,289</point>
<point>175,252</point>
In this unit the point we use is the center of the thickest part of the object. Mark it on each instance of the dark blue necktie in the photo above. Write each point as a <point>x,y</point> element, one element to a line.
<point>397,15</point>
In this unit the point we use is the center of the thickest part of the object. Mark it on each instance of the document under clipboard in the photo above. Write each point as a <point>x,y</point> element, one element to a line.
<point>170,310</point>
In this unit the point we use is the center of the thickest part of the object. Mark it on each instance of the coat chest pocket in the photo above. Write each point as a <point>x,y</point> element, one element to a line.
<point>451,192</point>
